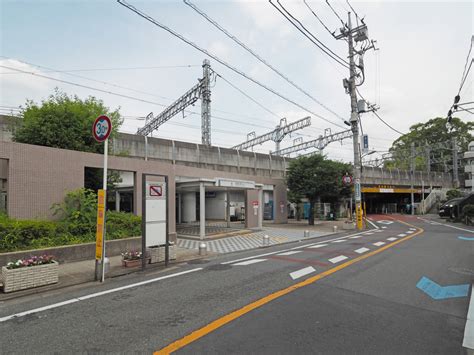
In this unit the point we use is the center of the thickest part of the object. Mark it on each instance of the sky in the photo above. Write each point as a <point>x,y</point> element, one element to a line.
<point>102,45</point>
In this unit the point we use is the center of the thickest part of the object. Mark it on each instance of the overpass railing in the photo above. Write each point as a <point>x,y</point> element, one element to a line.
<point>384,176</point>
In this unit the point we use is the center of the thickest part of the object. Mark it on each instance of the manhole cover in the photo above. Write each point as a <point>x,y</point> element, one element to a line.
<point>218,267</point>
<point>462,270</point>
<point>198,261</point>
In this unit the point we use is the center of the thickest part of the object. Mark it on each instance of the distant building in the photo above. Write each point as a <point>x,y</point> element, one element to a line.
<point>5,129</point>
<point>469,166</point>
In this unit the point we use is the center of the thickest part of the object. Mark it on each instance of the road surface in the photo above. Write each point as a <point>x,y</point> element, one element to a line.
<point>351,293</point>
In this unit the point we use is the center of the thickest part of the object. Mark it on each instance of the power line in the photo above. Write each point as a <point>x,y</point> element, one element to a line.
<point>253,53</point>
<point>320,21</point>
<point>112,69</point>
<point>306,32</point>
<point>467,73</point>
<point>464,75</point>
<point>247,96</point>
<point>123,87</point>
<point>221,61</point>
<point>335,13</point>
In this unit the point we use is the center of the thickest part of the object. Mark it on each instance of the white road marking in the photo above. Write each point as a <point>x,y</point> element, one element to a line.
<point>401,235</point>
<point>447,225</point>
<point>413,229</point>
<point>410,232</point>
<point>361,250</point>
<point>339,241</point>
<point>384,227</point>
<point>338,259</point>
<point>468,341</point>
<point>392,239</point>
<point>290,252</point>
<point>372,223</point>
<point>378,231</point>
<point>318,246</point>
<point>249,262</point>
<point>378,244</point>
<point>280,251</point>
<point>300,273</point>
<point>355,237</point>
<point>93,295</point>
<point>369,233</point>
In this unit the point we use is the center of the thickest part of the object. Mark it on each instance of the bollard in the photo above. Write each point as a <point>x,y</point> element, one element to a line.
<point>202,249</point>
<point>266,241</point>
<point>334,229</point>
<point>306,233</point>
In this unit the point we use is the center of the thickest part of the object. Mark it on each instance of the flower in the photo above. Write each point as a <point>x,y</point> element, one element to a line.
<point>132,255</point>
<point>31,261</point>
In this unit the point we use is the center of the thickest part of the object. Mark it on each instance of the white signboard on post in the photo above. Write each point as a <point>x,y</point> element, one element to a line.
<point>155,213</point>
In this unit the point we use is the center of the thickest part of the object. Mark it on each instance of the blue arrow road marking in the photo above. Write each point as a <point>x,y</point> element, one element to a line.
<point>438,292</point>
<point>465,238</point>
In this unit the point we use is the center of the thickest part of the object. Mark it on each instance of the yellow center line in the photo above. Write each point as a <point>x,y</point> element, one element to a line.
<point>216,324</point>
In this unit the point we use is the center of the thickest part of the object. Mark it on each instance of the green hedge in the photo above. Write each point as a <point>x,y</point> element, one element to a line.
<point>34,234</point>
<point>468,210</point>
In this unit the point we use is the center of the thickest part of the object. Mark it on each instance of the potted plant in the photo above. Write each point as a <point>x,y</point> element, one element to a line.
<point>34,271</point>
<point>132,258</point>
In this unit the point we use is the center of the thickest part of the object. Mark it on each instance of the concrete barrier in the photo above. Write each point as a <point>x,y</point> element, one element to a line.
<point>76,252</point>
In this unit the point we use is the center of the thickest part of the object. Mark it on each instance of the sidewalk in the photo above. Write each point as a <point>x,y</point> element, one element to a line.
<point>81,272</point>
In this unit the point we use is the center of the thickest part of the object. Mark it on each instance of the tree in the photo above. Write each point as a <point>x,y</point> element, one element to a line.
<point>63,122</point>
<point>453,193</point>
<point>429,134</point>
<point>316,176</point>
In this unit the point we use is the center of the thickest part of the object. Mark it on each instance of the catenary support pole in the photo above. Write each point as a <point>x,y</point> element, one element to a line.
<point>206,103</point>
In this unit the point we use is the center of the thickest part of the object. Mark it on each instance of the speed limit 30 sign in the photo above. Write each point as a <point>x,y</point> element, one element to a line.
<point>101,128</point>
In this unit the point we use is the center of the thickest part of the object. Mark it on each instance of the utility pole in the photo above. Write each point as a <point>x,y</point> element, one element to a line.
<point>206,103</point>
<point>455,164</point>
<point>412,174</point>
<point>354,126</point>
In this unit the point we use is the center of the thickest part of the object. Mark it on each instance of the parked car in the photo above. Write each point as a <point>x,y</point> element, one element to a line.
<point>446,208</point>
<point>457,211</point>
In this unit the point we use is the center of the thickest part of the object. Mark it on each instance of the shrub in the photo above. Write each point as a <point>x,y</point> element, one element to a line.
<point>453,193</point>
<point>468,210</point>
<point>76,224</point>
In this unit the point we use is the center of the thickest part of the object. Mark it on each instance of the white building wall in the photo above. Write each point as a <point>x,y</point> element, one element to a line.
<point>188,205</point>
<point>215,206</point>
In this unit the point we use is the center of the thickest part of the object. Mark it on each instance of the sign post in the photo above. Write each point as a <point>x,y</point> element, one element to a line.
<point>101,130</point>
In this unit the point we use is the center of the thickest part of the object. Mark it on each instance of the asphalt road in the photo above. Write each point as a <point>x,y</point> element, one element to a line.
<point>333,294</point>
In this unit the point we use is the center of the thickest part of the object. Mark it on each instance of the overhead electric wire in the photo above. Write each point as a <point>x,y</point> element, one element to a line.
<point>306,32</point>
<point>335,13</point>
<point>464,75</point>
<point>317,17</point>
<point>219,60</point>
<point>121,87</point>
<point>253,53</point>
<point>112,69</point>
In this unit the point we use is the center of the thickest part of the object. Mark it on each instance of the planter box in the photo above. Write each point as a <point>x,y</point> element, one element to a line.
<point>133,263</point>
<point>29,277</point>
<point>157,254</point>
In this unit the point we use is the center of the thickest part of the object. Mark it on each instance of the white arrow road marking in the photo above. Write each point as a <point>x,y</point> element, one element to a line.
<point>290,252</point>
<point>378,244</point>
<point>361,250</point>
<point>317,246</point>
<point>392,239</point>
<point>249,262</point>
<point>338,259</point>
<point>300,273</point>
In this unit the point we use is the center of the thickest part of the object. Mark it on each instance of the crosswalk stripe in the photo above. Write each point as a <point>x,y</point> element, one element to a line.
<point>249,262</point>
<point>338,259</point>
<point>300,273</point>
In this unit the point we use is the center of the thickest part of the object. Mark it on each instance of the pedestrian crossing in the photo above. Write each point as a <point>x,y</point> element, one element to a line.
<point>330,255</point>
<point>247,241</point>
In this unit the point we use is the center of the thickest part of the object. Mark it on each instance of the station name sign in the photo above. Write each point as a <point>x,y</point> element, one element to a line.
<point>243,184</point>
